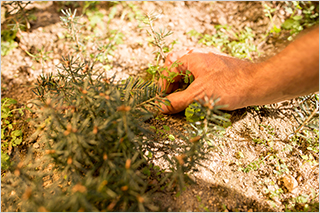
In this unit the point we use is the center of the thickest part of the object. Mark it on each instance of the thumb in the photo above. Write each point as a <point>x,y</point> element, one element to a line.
<point>181,100</point>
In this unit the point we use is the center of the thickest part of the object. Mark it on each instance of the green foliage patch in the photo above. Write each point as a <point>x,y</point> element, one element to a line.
<point>93,132</point>
<point>240,45</point>
<point>303,15</point>
<point>11,134</point>
<point>15,19</point>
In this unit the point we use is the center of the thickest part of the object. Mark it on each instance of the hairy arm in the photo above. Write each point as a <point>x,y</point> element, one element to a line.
<point>291,73</point>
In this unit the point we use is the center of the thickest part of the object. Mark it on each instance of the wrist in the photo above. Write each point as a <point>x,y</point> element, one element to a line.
<point>265,84</point>
<point>241,88</point>
<point>251,89</point>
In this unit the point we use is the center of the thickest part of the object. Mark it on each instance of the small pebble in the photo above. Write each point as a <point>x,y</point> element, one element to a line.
<point>299,178</point>
<point>289,182</point>
<point>36,146</point>
<point>171,24</point>
<point>56,61</point>
<point>226,180</point>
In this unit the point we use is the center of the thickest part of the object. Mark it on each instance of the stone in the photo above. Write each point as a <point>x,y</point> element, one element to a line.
<point>299,178</point>
<point>12,193</point>
<point>36,146</point>
<point>289,182</point>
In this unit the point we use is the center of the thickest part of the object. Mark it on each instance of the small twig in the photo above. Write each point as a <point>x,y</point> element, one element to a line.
<point>157,40</point>
<point>24,15</point>
<point>306,121</point>
<point>148,101</point>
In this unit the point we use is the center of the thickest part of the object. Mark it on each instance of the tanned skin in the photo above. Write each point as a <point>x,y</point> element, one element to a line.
<point>291,73</point>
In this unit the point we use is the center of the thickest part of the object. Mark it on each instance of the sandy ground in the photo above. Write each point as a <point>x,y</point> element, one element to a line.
<point>221,186</point>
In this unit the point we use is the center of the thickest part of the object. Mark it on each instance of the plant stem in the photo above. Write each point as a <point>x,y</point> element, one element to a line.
<point>306,121</point>
<point>157,42</point>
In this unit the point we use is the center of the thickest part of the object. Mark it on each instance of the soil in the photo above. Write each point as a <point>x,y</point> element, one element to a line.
<point>221,186</point>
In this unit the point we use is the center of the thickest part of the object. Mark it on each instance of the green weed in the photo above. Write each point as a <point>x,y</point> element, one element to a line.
<point>242,46</point>
<point>281,169</point>
<point>194,113</point>
<point>164,132</point>
<point>304,203</point>
<point>303,15</point>
<point>274,193</point>
<point>201,205</point>
<point>11,134</point>
<point>255,165</point>
<point>268,12</point>
<point>7,41</point>
<point>16,19</point>
<point>134,12</point>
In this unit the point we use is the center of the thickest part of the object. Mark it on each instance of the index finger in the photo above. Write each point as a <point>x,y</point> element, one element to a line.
<point>168,66</point>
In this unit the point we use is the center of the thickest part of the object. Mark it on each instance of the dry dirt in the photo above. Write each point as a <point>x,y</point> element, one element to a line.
<point>220,187</point>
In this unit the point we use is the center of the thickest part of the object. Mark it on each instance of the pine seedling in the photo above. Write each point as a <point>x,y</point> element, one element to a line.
<point>157,36</point>
<point>96,138</point>
<point>158,40</point>
<point>18,15</point>
<point>92,130</point>
<point>70,22</point>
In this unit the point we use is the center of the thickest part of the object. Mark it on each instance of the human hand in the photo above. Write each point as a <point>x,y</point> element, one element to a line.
<point>215,74</point>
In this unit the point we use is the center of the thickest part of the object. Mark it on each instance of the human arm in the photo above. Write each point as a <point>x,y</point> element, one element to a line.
<point>291,73</point>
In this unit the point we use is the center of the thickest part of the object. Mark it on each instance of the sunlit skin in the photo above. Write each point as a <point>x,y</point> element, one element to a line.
<point>291,73</point>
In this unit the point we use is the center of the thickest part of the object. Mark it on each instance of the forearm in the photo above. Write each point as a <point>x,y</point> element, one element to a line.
<point>291,73</point>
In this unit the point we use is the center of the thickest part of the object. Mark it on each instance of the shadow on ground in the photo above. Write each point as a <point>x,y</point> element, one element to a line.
<point>205,196</point>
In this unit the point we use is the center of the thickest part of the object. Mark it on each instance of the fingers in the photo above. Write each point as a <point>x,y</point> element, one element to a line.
<point>178,102</point>
<point>182,56</point>
<point>196,61</point>
<point>171,58</point>
<point>189,59</point>
<point>181,100</point>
